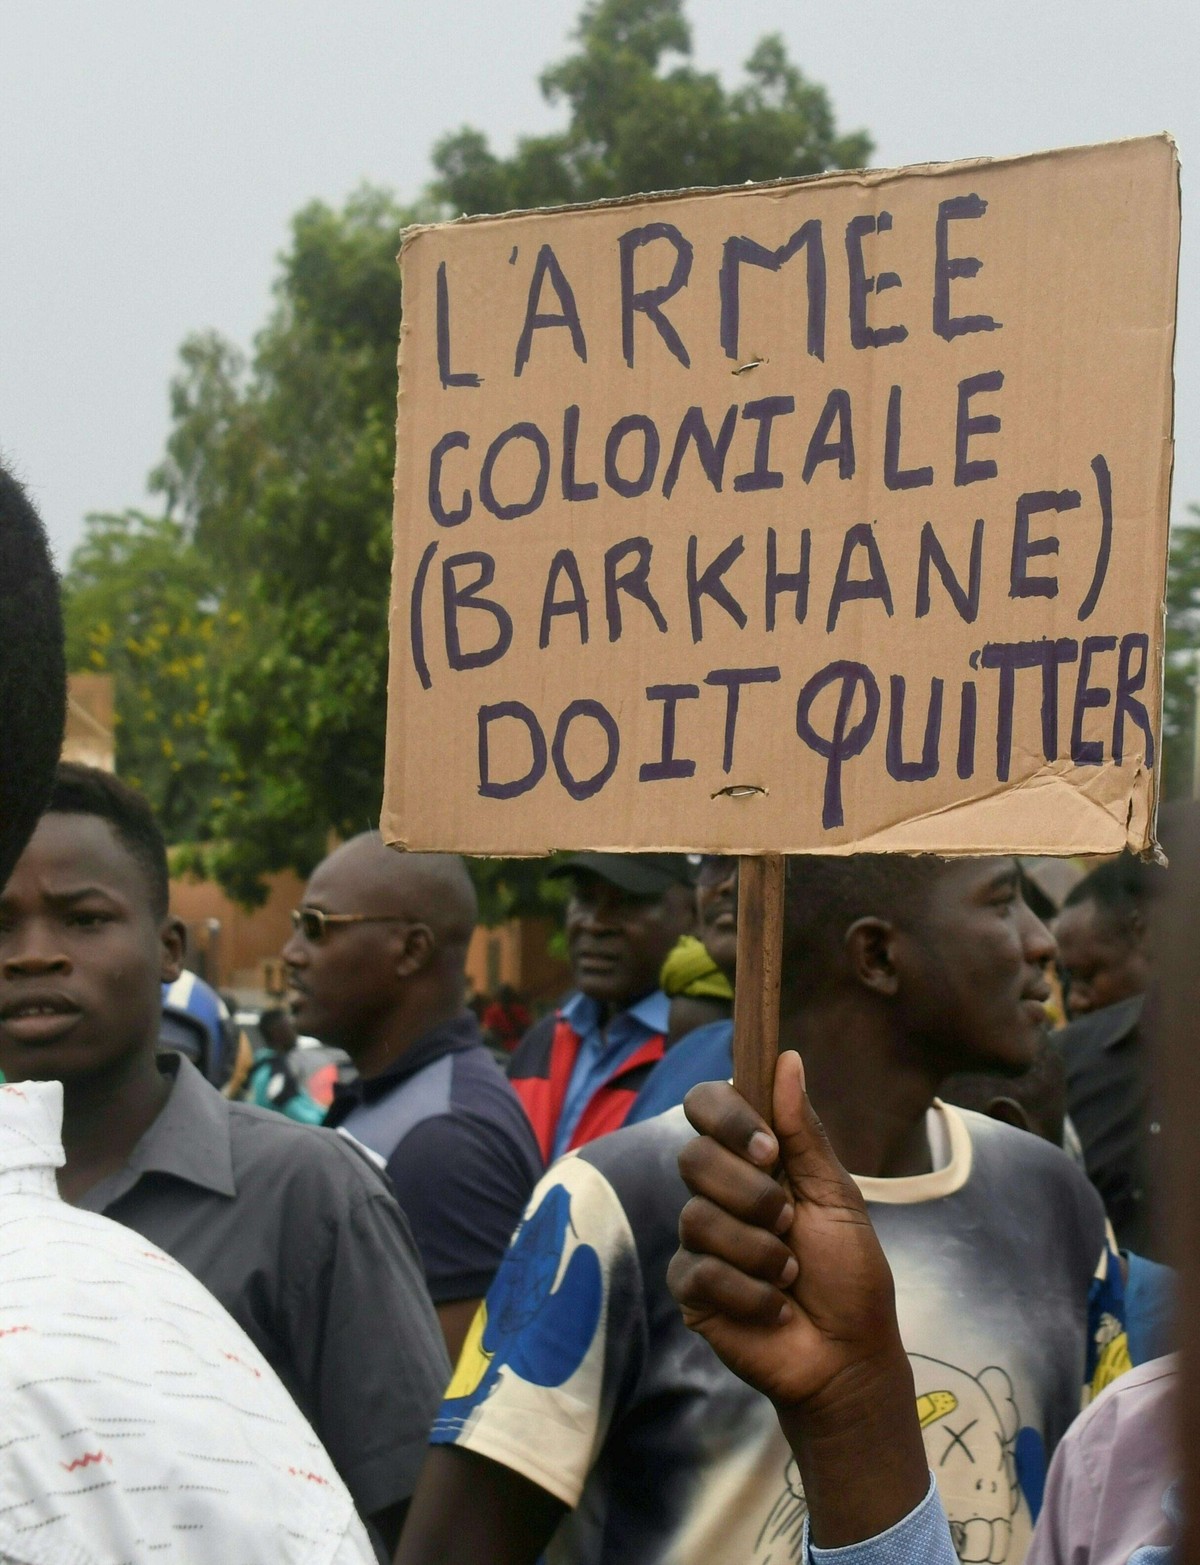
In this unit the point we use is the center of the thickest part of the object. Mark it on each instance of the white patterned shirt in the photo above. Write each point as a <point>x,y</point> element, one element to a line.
<point>137,1421</point>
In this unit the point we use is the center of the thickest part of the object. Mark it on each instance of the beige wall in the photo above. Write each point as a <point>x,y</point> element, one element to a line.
<point>517,953</point>
<point>244,954</point>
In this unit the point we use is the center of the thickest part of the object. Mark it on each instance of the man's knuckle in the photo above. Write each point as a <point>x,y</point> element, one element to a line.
<point>767,1205</point>
<point>734,1128</point>
<point>707,1277</point>
<point>692,1160</point>
<point>697,1103</point>
<point>679,1269</point>
<point>691,1223</point>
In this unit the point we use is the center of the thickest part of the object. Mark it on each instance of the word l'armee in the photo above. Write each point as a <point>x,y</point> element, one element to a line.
<point>643,249</point>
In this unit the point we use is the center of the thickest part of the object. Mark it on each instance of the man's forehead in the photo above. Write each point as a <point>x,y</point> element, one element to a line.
<point>1088,920</point>
<point>988,866</point>
<point>356,870</point>
<point>80,849</point>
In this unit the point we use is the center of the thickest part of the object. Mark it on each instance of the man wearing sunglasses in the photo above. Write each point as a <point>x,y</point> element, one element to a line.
<point>289,1226</point>
<point>376,967</point>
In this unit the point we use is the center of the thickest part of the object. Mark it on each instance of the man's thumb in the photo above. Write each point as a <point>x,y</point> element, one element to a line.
<point>805,1151</point>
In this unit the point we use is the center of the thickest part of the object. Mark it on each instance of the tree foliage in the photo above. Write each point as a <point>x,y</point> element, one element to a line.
<point>275,550</point>
<point>638,122</point>
<point>281,471</point>
<point>140,605</point>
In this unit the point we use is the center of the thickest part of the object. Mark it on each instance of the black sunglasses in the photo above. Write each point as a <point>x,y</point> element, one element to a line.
<point>313,924</point>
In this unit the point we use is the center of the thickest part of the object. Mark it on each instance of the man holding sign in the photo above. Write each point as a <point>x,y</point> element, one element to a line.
<point>583,1410</point>
<point>829,1358</point>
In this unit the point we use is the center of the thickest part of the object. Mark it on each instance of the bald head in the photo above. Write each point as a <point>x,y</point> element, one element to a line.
<point>429,888</point>
<point>387,964</point>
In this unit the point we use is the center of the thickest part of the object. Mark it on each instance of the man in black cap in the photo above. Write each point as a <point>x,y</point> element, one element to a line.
<point>578,1072</point>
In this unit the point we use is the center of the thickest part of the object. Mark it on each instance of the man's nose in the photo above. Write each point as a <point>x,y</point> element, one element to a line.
<point>728,881</point>
<point>34,958</point>
<point>1040,945</point>
<point>294,953</point>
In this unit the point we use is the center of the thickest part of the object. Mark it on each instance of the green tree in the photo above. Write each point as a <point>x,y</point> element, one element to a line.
<point>1182,657</point>
<point>140,604</point>
<point>638,122</point>
<point>278,469</point>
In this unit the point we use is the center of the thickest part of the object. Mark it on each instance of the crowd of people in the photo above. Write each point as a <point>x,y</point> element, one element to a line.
<point>502,1288</point>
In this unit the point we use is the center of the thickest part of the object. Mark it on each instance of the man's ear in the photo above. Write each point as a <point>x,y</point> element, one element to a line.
<point>869,946</point>
<point>173,937</point>
<point>1009,1112</point>
<point>414,950</point>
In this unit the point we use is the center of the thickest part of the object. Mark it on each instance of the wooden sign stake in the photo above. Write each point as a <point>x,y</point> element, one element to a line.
<point>756,994</point>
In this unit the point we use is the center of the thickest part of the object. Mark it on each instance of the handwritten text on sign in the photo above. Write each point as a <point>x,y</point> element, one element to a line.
<point>789,517</point>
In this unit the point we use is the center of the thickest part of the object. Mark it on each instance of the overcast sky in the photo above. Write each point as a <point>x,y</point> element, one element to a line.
<point>153,151</point>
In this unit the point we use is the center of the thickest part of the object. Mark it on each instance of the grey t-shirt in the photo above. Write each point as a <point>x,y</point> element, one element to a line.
<point>303,1242</point>
<point>581,1375</point>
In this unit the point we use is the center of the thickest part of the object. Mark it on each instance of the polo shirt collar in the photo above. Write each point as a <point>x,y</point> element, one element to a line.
<point>652,1012</point>
<point>190,1138</point>
<point>460,1032</point>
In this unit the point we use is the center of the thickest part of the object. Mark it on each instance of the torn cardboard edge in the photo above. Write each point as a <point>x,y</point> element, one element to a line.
<point>863,178</point>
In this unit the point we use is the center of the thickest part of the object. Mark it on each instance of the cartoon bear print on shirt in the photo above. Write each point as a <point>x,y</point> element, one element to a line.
<point>970,1424</point>
<point>779,1542</point>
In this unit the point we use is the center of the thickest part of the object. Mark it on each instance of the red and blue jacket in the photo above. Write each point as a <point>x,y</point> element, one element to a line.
<point>578,1079</point>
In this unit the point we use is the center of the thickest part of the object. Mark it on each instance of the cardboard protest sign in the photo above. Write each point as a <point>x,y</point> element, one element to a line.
<point>816,516</point>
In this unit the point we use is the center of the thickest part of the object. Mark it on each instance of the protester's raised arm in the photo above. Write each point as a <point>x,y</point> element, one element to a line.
<point>787,1281</point>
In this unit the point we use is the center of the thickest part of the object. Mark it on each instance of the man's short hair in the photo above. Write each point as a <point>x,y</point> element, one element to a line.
<point>1121,891</point>
<point>33,678</point>
<point>826,894</point>
<point>85,790</point>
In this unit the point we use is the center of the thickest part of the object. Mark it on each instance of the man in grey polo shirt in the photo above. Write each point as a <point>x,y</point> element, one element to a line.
<point>289,1226</point>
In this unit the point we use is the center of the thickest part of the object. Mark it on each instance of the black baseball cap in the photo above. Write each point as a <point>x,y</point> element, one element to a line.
<point>640,874</point>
